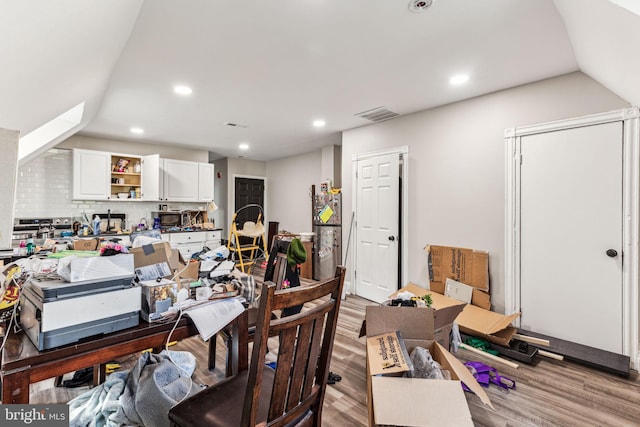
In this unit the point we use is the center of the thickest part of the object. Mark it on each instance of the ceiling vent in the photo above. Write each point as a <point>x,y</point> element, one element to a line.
<point>418,6</point>
<point>379,114</point>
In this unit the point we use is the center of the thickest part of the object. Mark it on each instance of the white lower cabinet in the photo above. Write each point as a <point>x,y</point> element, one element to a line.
<point>191,242</point>
<point>213,239</point>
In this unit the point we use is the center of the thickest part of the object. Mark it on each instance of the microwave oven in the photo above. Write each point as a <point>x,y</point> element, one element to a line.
<point>169,219</point>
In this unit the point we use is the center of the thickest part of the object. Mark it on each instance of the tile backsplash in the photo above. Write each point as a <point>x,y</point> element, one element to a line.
<point>44,190</point>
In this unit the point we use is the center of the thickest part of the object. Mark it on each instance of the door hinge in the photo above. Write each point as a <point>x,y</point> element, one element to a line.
<point>521,159</point>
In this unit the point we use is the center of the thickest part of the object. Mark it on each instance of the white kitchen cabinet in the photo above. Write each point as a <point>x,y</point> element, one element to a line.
<point>140,174</point>
<point>179,181</point>
<point>99,175</point>
<point>213,239</point>
<point>205,182</point>
<point>190,242</point>
<point>186,243</point>
<point>91,176</point>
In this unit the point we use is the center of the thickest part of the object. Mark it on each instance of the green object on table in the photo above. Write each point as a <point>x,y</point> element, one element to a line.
<point>480,344</point>
<point>63,254</point>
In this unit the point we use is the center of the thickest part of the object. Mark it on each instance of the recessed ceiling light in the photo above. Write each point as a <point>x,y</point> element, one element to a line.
<point>182,90</point>
<point>319,123</point>
<point>137,131</point>
<point>459,79</point>
<point>243,146</point>
<point>419,5</point>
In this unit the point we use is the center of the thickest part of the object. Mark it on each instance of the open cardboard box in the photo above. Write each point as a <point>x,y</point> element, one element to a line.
<point>154,261</point>
<point>476,321</point>
<point>468,266</point>
<point>394,400</point>
<point>438,321</point>
<point>161,256</point>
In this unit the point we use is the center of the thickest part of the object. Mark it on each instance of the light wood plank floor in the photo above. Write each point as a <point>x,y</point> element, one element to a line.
<point>549,393</point>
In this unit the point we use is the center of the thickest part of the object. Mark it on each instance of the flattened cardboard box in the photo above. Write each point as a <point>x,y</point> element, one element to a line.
<point>387,354</point>
<point>493,327</point>
<point>400,401</point>
<point>468,266</point>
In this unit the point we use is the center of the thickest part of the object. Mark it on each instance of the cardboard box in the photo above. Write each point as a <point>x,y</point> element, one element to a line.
<point>472,320</point>
<point>157,297</point>
<point>155,261</point>
<point>493,327</point>
<point>387,354</point>
<point>468,266</point>
<point>156,253</point>
<point>190,271</point>
<point>86,244</point>
<point>395,400</point>
<point>438,321</point>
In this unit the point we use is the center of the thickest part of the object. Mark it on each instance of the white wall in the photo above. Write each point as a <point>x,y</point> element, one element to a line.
<point>177,152</point>
<point>44,189</point>
<point>8,172</point>
<point>456,164</point>
<point>289,192</point>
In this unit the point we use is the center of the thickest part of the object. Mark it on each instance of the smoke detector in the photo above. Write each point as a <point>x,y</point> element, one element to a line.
<point>418,6</point>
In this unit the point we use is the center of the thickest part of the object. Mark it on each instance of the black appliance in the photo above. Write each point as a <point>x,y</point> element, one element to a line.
<point>40,228</point>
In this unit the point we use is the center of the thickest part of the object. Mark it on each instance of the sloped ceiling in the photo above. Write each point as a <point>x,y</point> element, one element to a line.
<point>273,67</point>
<point>55,55</point>
<point>605,38</point>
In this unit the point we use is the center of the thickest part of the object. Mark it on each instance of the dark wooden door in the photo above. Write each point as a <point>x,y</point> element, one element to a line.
<point>248,191</point>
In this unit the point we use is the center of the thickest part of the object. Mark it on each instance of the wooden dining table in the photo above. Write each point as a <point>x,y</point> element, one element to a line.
<point>22,363</point>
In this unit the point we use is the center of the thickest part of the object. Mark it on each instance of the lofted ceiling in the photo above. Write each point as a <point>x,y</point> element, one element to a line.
<point>273,67</point>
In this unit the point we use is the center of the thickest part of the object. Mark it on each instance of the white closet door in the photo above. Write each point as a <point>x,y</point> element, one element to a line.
<point>377,226</point>
<point>571,215</point>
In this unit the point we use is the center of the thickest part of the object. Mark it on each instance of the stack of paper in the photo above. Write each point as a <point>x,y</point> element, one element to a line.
<point>224,268</point>
<point>210,318</point>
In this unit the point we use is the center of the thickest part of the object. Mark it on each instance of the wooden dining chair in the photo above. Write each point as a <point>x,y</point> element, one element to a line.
<point>293,392</point>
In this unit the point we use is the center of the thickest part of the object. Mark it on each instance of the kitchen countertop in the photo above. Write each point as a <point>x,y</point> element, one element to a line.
<point>189,230</point>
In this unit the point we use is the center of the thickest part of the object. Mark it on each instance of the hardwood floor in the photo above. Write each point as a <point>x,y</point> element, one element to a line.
<point>549,393</point>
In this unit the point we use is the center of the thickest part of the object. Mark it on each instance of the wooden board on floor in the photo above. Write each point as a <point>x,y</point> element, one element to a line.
<point>585,355</point>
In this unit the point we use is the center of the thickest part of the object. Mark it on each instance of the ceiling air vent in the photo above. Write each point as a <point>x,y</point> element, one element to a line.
<point>379,114</point>
<point>235,125</point>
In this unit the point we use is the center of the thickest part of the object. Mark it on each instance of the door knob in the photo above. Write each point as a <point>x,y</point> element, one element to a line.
<point>392,238</point>
<point>612,253</point>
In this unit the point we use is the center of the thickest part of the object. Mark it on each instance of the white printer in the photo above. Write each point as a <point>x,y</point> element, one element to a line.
<point>54,312</point>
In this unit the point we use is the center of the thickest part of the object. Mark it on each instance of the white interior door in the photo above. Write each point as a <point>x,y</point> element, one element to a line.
<point>377,228</point>
<point>571,235</point>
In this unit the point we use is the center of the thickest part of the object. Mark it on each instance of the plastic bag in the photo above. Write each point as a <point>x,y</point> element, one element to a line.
<point>425,367</point>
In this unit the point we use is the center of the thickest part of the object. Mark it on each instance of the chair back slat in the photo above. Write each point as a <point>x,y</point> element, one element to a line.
<point>279,270</point>
<point>314,354</point>
<point>305,343</point>
<point>300,364</point>
<point>284,366</point>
